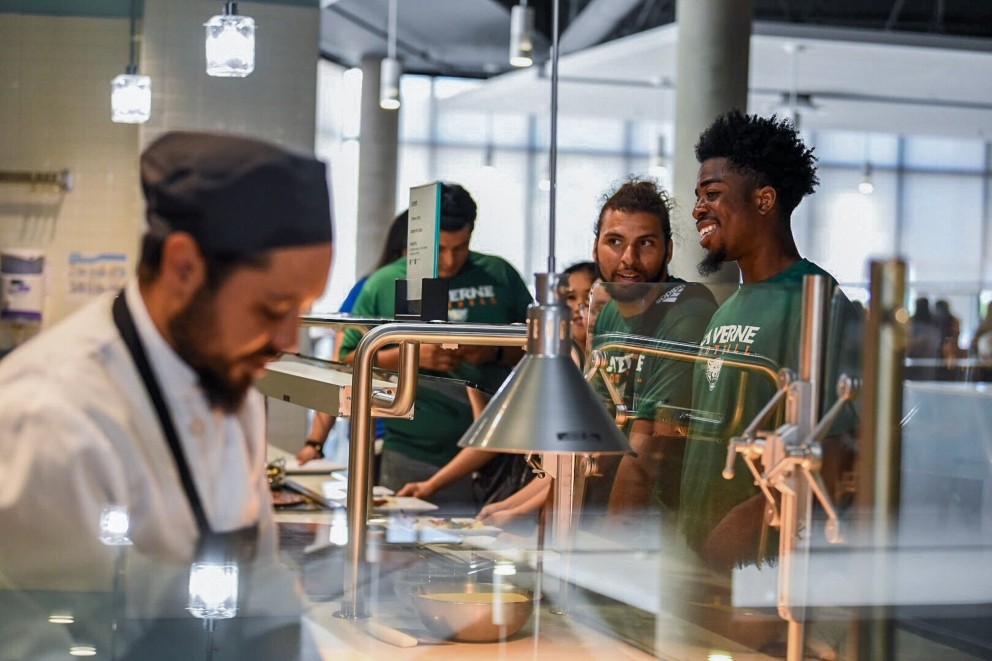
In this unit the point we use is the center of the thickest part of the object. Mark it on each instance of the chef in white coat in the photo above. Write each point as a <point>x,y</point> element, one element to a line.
<point>141,403</point>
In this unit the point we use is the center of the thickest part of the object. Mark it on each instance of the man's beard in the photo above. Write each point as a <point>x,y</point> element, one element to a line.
<point>712,262</point>
<point>627,292</point>
<point>192,329</point>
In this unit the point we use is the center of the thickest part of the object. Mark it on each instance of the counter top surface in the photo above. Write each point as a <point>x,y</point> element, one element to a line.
<point>547,637</point>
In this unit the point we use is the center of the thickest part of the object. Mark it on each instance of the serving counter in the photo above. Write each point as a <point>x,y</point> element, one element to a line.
<point>634,590</point>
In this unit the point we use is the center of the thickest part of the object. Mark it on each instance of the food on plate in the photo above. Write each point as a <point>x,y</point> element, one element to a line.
<point>455,524</point>
<point>380,502</point>
<point>282,498</point>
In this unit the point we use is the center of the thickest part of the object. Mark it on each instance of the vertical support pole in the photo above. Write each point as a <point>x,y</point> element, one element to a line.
<point>802,410</point>
<point>565,512</point>
<point>711,78</point>
<point>880,448</point>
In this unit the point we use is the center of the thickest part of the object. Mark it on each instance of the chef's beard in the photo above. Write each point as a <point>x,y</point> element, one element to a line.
<point>712,262</point>
<point>191,330</point>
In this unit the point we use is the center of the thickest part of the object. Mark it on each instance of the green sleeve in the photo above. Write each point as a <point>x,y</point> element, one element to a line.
<point>376,300</point>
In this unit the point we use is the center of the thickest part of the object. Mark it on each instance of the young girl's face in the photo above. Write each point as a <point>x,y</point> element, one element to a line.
<point>579,285</point>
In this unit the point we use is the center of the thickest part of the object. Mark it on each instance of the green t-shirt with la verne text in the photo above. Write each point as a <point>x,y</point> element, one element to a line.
<point>487,290</point>
<point>761,321</point>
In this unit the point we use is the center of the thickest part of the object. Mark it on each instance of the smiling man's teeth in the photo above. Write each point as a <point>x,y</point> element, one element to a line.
<point>706,230</point>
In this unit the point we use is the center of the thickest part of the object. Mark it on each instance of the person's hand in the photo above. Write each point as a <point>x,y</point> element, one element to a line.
<point>477,355</point>
<point>416,489</point>
<point>499,519</point>
<point>433,357</point>
<point>489,510</point>
<point>307,453</point>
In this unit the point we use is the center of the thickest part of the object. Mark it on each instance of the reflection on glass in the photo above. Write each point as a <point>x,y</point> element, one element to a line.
<point>114,525</point>
<point>213,590</point>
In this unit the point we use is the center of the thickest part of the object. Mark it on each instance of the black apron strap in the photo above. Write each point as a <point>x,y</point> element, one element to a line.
<point>125,324</point>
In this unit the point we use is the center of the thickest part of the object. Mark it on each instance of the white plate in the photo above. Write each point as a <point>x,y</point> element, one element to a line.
<point>462,526</point>
<point>312,467</point>
<point>337,490</point>
<point>404,504</point>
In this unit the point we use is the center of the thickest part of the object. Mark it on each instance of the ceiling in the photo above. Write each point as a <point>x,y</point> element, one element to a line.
<point>846,80</point>
<point>894,66</point>
<point>471,37</point>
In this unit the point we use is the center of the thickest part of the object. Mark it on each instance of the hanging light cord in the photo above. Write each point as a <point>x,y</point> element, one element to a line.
<point>553,155</point>
<point>132,67</point>
<point>391,31</point>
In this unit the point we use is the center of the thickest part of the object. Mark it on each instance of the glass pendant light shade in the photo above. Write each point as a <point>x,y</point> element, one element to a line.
<point>521,42</point>
<point>866,187</point>
<point>131,97</point>
<point>389,83</point>
<point>230,44</point>
<point>546,406</point>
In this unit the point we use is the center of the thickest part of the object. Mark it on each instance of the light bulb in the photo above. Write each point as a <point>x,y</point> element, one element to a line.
<point>389,83</point>
<point>130,98</point>
<point>866,187</point>
<point>230,44</point>
<point>521,42</point>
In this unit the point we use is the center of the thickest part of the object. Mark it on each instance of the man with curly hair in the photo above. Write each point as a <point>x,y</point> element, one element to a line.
<point>633,249</point>
<point>754,172</point>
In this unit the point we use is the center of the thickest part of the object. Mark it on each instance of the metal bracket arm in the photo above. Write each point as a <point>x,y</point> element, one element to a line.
<point>597,365</point>
<point>805,456</point>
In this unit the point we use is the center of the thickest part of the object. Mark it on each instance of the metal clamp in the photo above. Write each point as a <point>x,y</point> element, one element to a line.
<point>786,452</point>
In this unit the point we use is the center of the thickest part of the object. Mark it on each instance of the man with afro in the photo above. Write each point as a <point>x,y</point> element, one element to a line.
<point>753,173</point>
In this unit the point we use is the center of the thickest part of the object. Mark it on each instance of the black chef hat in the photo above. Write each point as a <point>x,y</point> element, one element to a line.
<point>235,195</point>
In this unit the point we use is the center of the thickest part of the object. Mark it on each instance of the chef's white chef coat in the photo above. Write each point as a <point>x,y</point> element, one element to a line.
<point>78,433</point>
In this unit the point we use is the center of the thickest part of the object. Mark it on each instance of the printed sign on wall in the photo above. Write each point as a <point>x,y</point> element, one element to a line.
<point>91,274</point>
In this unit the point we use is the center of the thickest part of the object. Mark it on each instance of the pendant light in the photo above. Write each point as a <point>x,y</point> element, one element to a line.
<point>659,162</point>
<point>521,35</point>
<point>488,158</point>
<point>131,93</point>
<point>545,405</point>
<point>866,186</point>
<point>230,43</point>
<point>390,69</point>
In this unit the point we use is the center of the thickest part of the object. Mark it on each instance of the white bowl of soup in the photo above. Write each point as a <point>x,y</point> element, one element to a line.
<point>473,612</point>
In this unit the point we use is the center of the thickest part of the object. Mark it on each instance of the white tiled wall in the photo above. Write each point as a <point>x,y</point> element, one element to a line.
<point>277,101</point>
<point>55,77</point>
<point>55,113</point>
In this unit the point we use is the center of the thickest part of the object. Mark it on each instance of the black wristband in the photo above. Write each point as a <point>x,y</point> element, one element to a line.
<point>316,445</point>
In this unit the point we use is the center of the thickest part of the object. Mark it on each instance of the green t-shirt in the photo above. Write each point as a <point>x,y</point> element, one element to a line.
<point>761,320</point>
<point>661,385</point>
<point>657,387</point>
<point>487,290</point>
